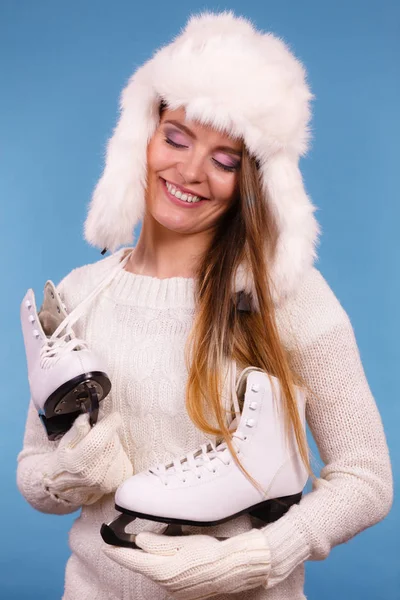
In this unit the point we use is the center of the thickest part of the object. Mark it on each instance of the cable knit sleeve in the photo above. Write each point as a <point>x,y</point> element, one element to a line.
<point>354,489</point>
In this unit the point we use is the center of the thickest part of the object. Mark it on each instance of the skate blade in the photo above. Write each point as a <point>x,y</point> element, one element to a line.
<point>114,532</point>
<point>265,512</point>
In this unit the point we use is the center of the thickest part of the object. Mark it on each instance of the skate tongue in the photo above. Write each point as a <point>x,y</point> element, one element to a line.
<point>234,424</point>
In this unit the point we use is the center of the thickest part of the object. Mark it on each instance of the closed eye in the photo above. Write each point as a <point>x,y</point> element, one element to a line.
<point>172,143</point>
<point>230,168</point>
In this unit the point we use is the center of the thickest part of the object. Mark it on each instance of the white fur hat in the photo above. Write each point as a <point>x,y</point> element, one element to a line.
<point>247,83</point>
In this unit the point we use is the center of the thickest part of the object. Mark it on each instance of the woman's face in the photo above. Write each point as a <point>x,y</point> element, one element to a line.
<point>192,173</point>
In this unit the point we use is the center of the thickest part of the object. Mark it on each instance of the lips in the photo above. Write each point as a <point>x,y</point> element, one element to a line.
<point>184,190</point>
<point>187,202</point>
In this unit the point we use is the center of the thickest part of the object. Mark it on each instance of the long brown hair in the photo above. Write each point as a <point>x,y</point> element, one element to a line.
<point>246,234</point>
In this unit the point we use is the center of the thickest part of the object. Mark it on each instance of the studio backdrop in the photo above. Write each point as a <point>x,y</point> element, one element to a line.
<point>62,66</point>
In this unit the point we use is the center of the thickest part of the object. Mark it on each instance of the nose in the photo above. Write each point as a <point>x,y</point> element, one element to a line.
<point>191,168</point>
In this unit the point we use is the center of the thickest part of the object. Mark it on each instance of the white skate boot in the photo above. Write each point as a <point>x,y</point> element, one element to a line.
<point>206,487</point>
<point>66,378</point>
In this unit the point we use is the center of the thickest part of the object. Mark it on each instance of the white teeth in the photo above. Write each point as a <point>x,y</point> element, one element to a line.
<point>182,196</point>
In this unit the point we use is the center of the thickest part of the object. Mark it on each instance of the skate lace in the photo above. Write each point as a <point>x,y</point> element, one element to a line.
<point>58,344</point>
<point>56,348</point>
<point>209,453</point>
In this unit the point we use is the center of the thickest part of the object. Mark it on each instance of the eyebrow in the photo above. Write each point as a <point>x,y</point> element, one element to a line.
<point>191,134</point>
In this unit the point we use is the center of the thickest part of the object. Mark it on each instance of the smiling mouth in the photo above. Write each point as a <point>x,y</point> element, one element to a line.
<point>182,193</point>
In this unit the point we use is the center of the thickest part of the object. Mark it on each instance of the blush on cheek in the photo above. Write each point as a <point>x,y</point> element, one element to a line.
<point>158,155</point>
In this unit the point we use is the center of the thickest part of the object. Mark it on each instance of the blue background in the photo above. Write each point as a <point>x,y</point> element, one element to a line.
<point>62,68</point>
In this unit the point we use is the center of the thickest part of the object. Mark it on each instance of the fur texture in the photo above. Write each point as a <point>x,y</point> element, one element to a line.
<point>230,76</point>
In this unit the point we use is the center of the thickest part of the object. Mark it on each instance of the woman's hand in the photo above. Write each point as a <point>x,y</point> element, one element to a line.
<point>88,462</point>
<point>195,567</point>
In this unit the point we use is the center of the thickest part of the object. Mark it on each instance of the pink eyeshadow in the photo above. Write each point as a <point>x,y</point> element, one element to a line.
<point>177,136</point>
<point>226,159</point>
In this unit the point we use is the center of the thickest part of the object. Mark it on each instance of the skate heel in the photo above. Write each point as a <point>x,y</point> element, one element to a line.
<point>272,510</point>
<point>78,395</point>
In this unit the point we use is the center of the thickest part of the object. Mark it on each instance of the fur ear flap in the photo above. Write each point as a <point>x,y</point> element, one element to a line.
<point>118,200</point>
<point>294,214</point>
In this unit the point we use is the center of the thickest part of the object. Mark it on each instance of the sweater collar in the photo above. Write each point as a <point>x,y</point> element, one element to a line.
<point>150,292</point>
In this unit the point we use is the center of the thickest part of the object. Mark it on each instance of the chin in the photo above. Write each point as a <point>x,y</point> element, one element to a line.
<point>176,225</point>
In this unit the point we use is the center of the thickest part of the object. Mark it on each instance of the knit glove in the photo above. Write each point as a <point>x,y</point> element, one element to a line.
<point>194,567</point>
<point>88,463</point>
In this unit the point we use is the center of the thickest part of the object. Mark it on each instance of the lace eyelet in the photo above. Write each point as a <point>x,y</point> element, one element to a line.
<point>245,438</point>
<point>214,470</point>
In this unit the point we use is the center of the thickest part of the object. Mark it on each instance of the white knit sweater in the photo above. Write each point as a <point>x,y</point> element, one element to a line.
<point>139,325</point>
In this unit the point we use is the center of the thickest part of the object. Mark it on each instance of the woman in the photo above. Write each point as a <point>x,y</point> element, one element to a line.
<point>206,152</point>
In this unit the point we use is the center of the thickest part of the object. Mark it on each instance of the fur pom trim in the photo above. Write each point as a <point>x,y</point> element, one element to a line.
<point>238,80</point>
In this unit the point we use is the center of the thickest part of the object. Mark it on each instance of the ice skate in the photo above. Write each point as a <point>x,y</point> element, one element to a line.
<point>66,377</point>
<point>206,487</point>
